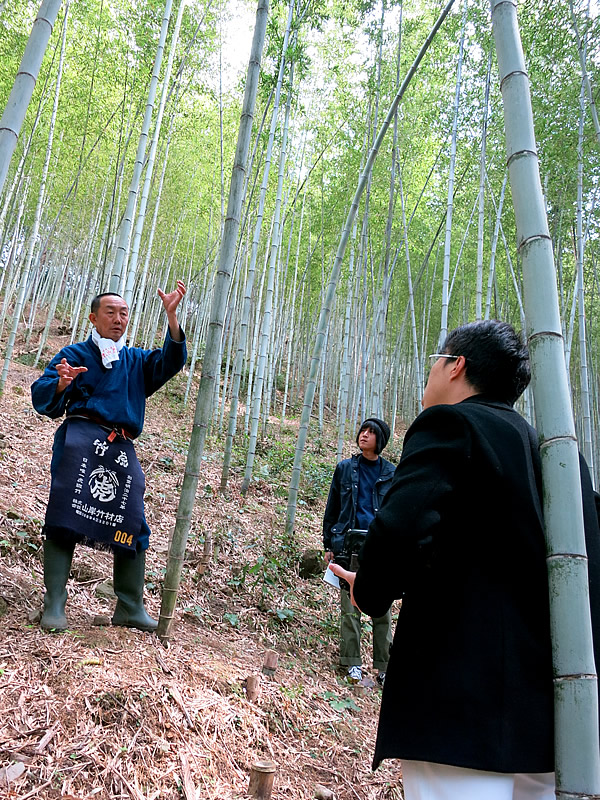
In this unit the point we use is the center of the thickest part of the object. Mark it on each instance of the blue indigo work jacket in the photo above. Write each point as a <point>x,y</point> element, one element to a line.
<point>117,395</point>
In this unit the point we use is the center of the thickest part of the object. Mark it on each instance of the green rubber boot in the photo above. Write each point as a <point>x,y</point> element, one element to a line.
<point>128,581</point>
<point>57,565</point>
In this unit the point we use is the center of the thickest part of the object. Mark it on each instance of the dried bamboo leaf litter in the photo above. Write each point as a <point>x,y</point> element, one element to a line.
<point>102,712</point>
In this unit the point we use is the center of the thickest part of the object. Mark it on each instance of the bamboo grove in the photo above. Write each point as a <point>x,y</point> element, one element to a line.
<point>120,175</point>
<point>367,214</point>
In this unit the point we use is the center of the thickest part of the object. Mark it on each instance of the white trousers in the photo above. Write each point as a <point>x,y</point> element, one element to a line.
<point>424,780</point>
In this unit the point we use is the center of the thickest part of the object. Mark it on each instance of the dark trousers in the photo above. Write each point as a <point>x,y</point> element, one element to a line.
<point>350,636</point>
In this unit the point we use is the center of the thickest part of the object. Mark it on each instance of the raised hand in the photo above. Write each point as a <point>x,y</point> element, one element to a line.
<point>67,374</point>
<point>171,301</point>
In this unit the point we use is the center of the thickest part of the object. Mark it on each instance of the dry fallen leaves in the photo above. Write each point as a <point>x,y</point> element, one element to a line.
<point>108,713</point>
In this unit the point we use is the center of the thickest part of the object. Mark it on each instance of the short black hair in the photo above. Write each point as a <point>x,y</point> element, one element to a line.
<point>98,298</point>
<point>496,358</point>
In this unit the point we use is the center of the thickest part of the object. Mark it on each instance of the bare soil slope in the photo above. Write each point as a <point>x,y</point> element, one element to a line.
<point>107,713</point>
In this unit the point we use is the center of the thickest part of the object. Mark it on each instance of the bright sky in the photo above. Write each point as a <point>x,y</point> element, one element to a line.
<point>237,40</point>
<point>238,29</point>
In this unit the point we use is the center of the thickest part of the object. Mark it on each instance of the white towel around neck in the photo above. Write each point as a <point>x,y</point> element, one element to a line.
<point>109,350</point>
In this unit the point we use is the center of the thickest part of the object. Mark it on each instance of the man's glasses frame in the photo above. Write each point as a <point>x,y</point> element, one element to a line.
<point>435,356</point>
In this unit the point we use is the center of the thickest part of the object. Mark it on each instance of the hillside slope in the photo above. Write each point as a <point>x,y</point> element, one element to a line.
<point>102,712</point>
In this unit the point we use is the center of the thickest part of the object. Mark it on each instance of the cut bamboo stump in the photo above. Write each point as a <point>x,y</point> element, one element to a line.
<point>323,793</point>
<point>253,688</point>
<point>262,775</point>
<point>270,663</point>
<point>207,555</point>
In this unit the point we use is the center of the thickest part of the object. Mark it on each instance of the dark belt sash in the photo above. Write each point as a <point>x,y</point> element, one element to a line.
<point>98,489</point>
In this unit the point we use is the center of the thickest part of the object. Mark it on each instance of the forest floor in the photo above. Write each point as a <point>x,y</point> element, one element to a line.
<point>106,713</point>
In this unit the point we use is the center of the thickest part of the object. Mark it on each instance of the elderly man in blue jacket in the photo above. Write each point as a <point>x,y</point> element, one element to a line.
<point>97,488</point>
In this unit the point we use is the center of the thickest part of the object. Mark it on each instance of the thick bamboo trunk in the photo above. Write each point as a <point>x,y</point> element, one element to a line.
<point>24,286</point>
<point>210,366</point>
<point>18,101</point>
<point>577,747</point>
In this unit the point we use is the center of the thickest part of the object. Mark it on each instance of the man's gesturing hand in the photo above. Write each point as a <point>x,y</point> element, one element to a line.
<point>66,374</point>
<point>172,300</point>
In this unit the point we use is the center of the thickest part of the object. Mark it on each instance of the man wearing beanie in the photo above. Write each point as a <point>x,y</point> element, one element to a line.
<point>358,487</point>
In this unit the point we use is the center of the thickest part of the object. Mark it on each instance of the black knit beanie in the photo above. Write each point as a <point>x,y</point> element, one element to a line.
<point>382,432</point>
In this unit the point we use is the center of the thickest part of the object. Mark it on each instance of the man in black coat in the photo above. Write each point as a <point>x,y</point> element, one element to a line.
<point>468,699</point>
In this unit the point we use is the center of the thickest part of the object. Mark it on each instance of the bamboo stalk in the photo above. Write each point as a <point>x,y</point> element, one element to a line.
<point>577,746</point>
<point>18,101</point>
<point>331,289</point>
<point>210,365</point>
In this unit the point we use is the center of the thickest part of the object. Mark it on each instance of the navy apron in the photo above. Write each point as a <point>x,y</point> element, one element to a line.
<point>98,489</point>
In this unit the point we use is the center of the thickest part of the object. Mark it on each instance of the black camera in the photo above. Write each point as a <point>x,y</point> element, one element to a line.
<point>348,558</point>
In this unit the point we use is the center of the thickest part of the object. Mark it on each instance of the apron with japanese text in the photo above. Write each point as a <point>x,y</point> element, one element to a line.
<point>97,492</point>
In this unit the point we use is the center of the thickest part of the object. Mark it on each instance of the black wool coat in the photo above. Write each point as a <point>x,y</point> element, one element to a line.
<point>459,538</point>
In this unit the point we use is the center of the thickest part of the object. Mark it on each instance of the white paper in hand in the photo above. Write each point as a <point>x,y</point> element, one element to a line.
<point>331,579</point>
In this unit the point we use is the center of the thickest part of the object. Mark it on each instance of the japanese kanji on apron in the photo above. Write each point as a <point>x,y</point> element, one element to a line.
<point>98,489</point>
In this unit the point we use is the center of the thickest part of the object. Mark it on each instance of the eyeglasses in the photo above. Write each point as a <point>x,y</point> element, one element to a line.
<point>434,356</point>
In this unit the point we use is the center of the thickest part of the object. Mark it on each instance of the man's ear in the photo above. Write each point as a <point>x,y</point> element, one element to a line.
<point>92,319</point>
<point>459,367</point>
